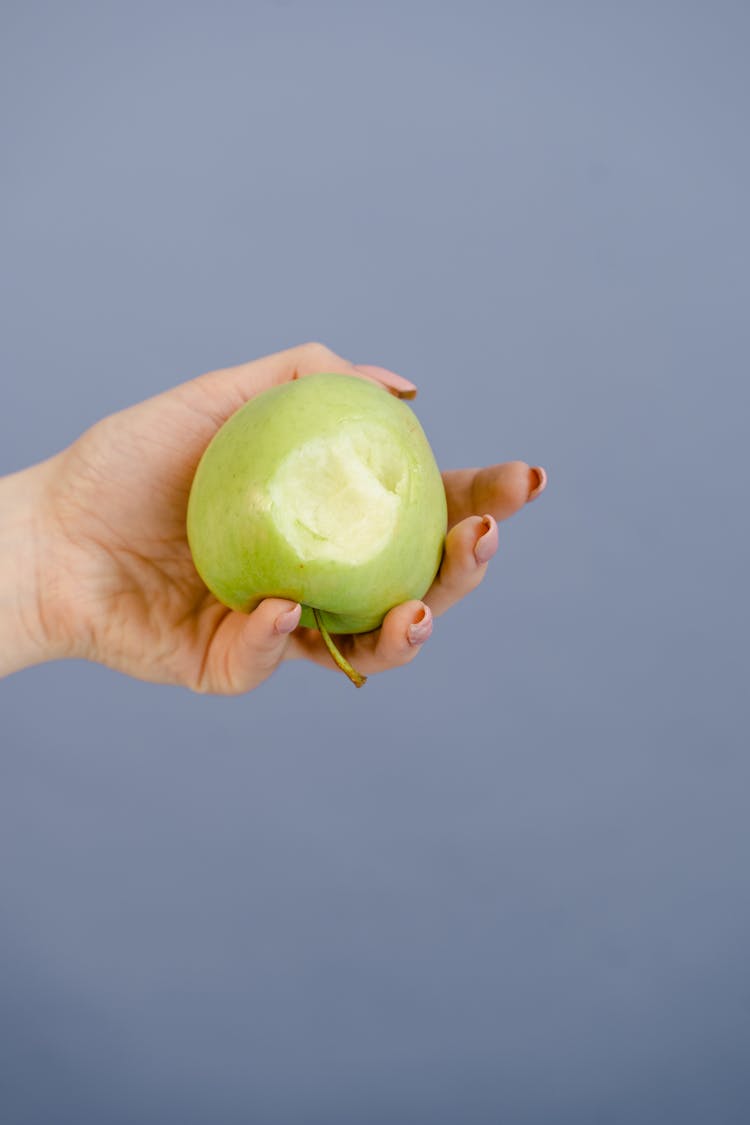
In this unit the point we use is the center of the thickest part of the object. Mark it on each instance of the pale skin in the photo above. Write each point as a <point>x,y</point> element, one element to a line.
<point>95,564</point>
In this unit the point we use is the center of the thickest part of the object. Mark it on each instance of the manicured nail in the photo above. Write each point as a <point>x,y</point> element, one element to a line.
<point>287,622</point>
<point>420,628</point>
<point>397,383</point>
<point>538,482</point>
<point>486,545</point>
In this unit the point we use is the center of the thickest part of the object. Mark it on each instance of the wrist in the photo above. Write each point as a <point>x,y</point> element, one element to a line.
<point>26,553</point>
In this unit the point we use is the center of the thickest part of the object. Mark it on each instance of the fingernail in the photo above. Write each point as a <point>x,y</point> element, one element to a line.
<point>486,545</point>
<point>403,387</point>
<point>538,482</point>
<point>288,622</point>
<point>421,627</point>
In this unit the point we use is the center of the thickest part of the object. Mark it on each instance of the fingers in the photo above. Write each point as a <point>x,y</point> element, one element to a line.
<point>500,490</point>
<point>399,639</point>
<point>395,383</point>
<point>468,548</point>
<point>230,387</point>
<point>247,648</point>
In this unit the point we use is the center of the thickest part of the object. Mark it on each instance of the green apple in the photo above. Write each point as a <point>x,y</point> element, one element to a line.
<point>323,490</point>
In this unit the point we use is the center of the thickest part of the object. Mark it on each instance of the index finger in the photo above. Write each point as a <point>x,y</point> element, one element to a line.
<point>241,383</point>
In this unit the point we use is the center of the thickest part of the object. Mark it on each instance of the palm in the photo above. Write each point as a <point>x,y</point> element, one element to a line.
<point>121,496</point>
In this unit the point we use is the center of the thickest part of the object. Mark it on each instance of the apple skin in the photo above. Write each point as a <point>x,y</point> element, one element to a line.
<point>240,538</point>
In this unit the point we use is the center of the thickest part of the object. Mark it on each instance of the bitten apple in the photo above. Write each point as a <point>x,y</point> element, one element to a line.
<point>325,491</point>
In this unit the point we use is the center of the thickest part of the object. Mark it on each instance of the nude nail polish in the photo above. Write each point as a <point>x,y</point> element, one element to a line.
<point>485,547</point>
<point>419,630</point>
<point>538,488</point>
<point>288,622</point>
<point>402,387</point>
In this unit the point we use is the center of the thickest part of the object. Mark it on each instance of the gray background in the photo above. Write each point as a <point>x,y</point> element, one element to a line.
<point>508,883</point>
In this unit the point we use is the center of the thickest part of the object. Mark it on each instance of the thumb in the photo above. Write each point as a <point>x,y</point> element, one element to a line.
<point>230,387</point>
<point>247,648</point>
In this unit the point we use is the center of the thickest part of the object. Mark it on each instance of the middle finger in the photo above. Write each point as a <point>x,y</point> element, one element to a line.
<point>468,548</point>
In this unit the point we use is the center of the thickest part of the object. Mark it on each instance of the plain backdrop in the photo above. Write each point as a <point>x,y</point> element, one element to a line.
<point>508,884</point>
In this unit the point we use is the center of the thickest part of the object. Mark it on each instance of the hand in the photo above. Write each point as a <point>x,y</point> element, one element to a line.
<point>114,578</point>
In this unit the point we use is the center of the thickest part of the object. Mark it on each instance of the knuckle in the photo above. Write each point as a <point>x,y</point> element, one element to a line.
<point>316,351</point>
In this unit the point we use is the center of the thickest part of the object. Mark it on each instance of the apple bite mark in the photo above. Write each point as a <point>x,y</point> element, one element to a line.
<point>340,498</point>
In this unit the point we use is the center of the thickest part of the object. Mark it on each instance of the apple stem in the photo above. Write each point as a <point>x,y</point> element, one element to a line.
<point>356,677</point>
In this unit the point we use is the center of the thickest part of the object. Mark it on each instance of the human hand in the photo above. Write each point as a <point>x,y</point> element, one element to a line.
<point>112,580</point>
